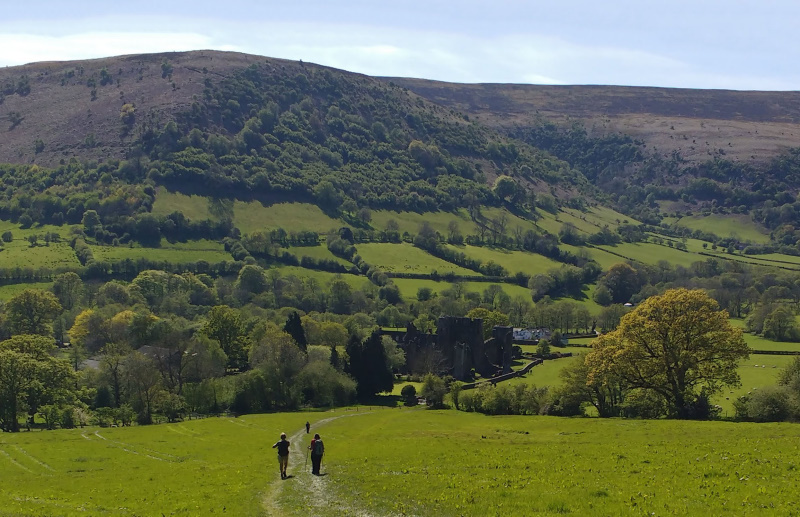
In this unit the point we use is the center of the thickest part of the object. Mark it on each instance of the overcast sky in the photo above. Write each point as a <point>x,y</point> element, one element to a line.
<point>733,44</point>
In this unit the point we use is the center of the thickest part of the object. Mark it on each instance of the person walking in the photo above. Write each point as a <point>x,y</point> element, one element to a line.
<point>283,454</point>
<point>308,428</point>
<point>317,450</point>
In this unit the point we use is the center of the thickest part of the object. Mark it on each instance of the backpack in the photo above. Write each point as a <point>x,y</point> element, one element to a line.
<point>319,448</point>
<point>283,447</point>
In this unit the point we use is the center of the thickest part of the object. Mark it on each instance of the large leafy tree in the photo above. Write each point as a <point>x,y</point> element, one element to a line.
<point>622,281</point>
<point>68,288</point>
<point>678,345</point>
<point>32,312</point>
<point>605,392</point>
<point>225,325</point>
<point>30,377</point>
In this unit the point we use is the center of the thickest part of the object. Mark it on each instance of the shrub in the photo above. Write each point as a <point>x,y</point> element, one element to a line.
<point>770,404</point>
<point>409,395</point>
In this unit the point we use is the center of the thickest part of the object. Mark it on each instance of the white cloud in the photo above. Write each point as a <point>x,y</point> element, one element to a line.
<point>384,50</point>
<point>17,49</point>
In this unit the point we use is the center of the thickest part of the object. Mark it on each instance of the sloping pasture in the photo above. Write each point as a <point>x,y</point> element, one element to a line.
<point>406,462</point>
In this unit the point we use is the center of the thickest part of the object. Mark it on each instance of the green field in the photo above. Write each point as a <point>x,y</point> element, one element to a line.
<point>734,225</point>
<point>252,216</point>
<point>406,462</point>
<point>513,261</point>
<point>19,253</point>
<point>405,258</point>
<point>409,287</point>
<point>545,374</point>
<point>324,277</point>
<point>317,253</point>
<point>64,231</point>
<point>512,221</point>
<point>602,257</point>
<point>601,216</point>
<point>194,207</point>
<point>8,291</point>
<point>651,253</point>
<point>411,221</point>
<point>175,255</point>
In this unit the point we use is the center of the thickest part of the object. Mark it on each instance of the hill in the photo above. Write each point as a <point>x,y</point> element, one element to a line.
<point>750,126</point>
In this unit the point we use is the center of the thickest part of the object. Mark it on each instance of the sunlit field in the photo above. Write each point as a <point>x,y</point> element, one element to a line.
<point>406,462</point>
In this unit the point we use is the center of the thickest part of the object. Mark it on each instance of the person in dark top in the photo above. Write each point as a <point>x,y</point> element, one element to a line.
<point>308,428</point>
<point>283,454</point>
<point>317,450</point>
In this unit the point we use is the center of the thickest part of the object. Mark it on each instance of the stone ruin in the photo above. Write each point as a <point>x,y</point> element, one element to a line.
<point>457,348</point>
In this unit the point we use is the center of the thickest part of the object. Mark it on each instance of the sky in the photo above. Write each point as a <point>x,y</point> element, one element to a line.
<point>727,44</point>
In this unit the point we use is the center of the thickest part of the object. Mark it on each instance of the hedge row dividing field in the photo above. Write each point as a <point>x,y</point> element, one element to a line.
<point>407,462</point>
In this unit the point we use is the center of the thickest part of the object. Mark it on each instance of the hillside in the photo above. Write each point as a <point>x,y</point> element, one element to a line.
<point>191,216</point>
<point>750,126</point>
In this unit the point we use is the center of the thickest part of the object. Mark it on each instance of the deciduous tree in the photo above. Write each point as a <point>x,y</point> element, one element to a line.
<point>678,345</point>
<point>225,326</point>
<point>30,377</point>
<point>32,312</point>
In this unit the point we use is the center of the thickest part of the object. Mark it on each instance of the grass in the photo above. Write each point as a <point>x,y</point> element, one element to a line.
<point>175,255</point>
<point>399,385</point>
<point>317,253</point>
<point>64,231</point>
<point>323,277</point>
<point>651,253</point>
<point>11,290</point>
<point>411,221</point>
<point>733,225</point>
<point>198,245</point>
<point>19,253</point>
<point>547,373</point>
<point>406,462</point>
<point>449,463</point>
<point>252,216</point>
<point>409,287</point>
<point>405,258</point>
<point>513,261</point>
<point>604,258</point>
<point>194,207</point>
<point>190,468</point>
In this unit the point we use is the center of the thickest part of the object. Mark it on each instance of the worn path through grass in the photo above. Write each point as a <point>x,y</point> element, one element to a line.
<point>304,493</point>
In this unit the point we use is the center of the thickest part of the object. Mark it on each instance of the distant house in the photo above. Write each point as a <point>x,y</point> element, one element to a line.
<point>533,334</point>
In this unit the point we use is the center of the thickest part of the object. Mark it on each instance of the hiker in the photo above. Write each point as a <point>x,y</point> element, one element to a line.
<point>317,450</point>
<point>308,428</point>
<point>283,454</point>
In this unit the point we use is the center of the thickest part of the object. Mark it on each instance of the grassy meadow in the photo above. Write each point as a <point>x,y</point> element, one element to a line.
<point>11,290</point>
<point>731,225</point>
<point>513,261</point>
<point>405,258</point>
<point>19,253</point>
<point>406,462</point>
<point>181,254</point>
<point>194,207</point>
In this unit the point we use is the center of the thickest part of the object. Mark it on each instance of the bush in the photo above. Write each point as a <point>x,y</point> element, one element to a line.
<point>770,404</point>
<point>409,395</point>
<point>643,404</point>
<point>433,390</point>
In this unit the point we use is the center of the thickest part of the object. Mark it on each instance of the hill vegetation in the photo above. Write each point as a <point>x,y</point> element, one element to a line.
<point>267,217</point>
